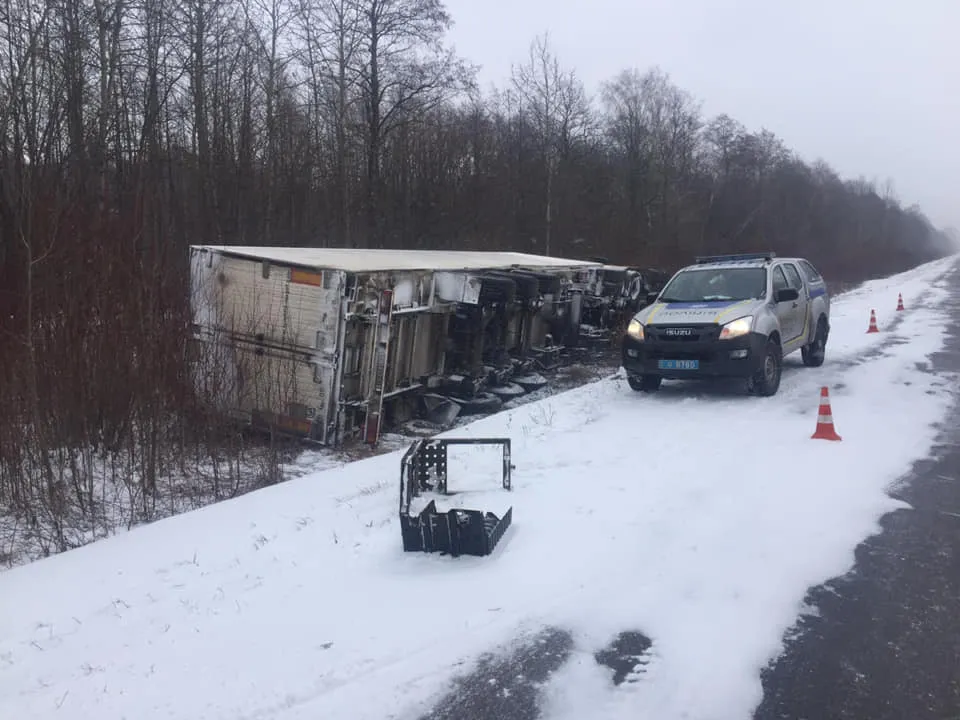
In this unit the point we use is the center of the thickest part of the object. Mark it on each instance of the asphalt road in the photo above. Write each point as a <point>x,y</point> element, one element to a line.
<point>885,644</point>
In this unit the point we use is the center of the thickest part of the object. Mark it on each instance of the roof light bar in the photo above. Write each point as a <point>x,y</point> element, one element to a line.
<point>704,259</point>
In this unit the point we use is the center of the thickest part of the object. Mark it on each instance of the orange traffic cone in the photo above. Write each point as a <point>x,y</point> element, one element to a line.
<point>825,429</point>
<point>873,323</point>
<point>900,301</point>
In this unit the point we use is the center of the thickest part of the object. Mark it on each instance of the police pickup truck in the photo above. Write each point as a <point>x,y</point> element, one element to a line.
<point>732,316</point>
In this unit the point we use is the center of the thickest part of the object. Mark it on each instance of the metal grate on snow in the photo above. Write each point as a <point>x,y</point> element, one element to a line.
<point>457,531</point>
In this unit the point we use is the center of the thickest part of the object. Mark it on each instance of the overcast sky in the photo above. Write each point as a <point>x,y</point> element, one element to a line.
<point>871,86</point>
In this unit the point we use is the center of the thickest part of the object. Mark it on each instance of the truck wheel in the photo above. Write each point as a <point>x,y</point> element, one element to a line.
<point>480,404</point>
<point>644,383</point>
<point>814,354</point>
<point>767,380</point>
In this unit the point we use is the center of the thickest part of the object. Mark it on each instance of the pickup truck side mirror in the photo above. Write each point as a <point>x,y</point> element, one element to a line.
<point>787,294</point>
<point>652,297</point>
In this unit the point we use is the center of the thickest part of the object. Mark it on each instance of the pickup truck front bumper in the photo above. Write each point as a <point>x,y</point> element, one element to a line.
<point>698,355</point>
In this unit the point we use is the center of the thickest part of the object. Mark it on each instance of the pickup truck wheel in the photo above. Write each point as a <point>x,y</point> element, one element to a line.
<point>767,380</point>
<point>644,383</point>
<point>814,354</point>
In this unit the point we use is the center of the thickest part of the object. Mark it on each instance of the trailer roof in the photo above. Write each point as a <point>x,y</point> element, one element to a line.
<point>353,260</point>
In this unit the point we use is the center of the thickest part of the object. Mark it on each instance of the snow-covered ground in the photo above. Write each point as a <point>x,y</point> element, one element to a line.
<point>697,516</point>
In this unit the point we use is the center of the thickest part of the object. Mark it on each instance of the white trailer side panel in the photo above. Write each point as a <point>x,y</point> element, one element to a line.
<point>280,388</point>
<point>279,332</point>
<point>276,305</point>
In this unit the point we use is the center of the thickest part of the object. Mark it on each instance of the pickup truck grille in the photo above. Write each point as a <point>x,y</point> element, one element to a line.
<point>682,333</point>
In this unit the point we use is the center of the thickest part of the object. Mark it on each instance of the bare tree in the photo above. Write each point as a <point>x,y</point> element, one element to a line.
<point>556,103</point>
<point>404,70</point>
<point>655,126</point>
<point>330,35</point>
<point>267,23</point>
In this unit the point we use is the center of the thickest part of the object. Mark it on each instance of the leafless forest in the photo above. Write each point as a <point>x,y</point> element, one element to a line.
<point>130,129</point>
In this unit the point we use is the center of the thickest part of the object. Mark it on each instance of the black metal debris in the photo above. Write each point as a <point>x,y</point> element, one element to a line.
<point>457,531</point>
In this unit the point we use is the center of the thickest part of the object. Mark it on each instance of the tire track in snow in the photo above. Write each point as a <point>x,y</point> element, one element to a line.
<point>506,687</point>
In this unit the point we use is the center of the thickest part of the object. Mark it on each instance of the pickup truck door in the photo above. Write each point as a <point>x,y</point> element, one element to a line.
<point>788,313</point>
<point>799,307</point>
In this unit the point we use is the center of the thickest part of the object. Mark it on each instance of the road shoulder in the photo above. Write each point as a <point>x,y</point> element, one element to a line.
<point>884,642</point>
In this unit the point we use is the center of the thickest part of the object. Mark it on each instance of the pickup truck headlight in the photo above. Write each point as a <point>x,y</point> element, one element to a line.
<point>635,329</point>
<point>736,328</point>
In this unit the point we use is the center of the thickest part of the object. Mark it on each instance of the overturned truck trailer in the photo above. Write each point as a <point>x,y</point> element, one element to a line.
<point>331,344</point>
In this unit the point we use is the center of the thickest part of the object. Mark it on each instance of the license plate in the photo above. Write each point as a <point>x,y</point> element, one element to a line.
<point>679,364</point>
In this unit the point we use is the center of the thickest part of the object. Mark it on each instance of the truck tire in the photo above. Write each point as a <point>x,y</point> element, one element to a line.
<point>766,382</point>
<point>644,383</point>
<point>814,353</point>
<point>528,285</point>
<point>496,289</point>
<point>480,404</point>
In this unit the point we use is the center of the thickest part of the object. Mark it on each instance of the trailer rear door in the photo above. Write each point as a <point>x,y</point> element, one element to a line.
<point>315,307</point>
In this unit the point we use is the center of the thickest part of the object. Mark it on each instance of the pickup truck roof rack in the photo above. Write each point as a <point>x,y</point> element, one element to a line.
<point>704,259</point>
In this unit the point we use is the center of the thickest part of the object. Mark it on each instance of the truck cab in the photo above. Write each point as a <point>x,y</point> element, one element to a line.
<point>732,316</point>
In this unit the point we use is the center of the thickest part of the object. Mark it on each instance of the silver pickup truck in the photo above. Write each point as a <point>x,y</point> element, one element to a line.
<point>730,316</point>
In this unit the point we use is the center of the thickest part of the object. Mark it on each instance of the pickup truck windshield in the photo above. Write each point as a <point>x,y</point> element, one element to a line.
<point>716,285</point>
